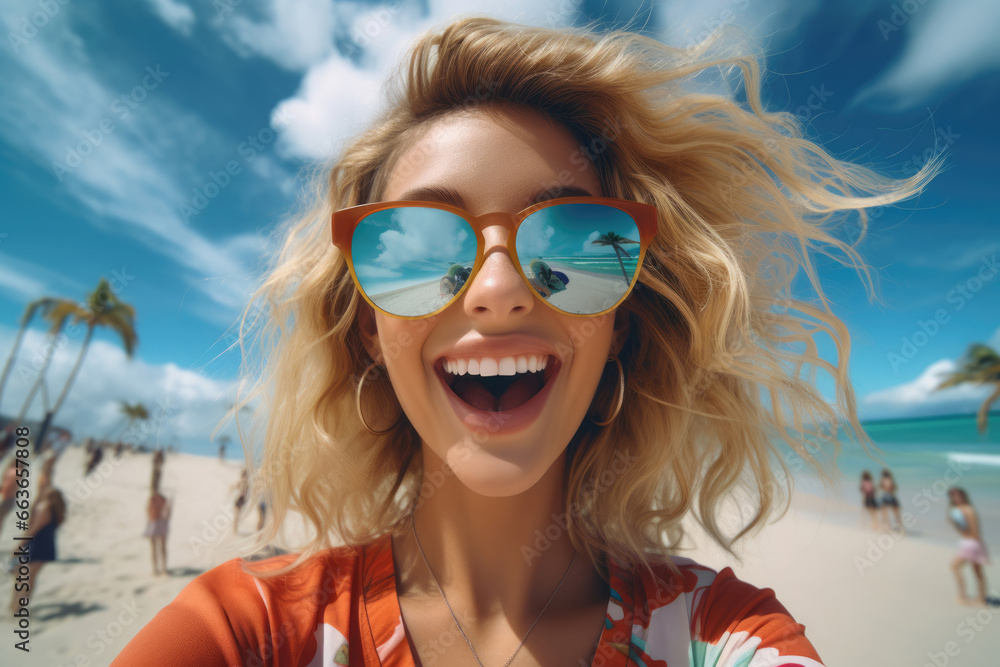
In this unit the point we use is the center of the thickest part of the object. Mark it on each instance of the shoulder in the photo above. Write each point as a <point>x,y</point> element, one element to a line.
<point>229,616</point>
<point>729,621</point>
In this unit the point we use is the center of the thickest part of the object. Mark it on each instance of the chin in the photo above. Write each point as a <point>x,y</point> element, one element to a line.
<point>497,474</point>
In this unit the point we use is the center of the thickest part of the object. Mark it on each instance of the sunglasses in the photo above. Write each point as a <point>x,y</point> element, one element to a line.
<point>413,259</point>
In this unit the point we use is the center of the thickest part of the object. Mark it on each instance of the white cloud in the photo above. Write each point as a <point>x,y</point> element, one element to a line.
<point>177,15</point>
<point>188,404</point>
<point>427,238</point>
<point>918,397</point>
<point>947,43</point>
<point>334,101</point>
<point>340,94</point>
<point>297,34</point>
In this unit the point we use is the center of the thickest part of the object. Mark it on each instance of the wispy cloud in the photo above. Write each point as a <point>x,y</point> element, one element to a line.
<point>24,281</point>
<point>685,23</point>
<point>947,43</point>
<point>954,257</point>
<point>176,14</point>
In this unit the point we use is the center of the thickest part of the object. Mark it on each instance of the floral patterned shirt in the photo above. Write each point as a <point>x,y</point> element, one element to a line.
<point>340,608</point>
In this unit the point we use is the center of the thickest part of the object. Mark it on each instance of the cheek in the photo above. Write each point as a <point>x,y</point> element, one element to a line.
<point>591,339</point>
<point>401,343</point>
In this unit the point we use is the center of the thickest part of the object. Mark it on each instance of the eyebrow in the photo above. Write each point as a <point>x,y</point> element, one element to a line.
<point>453,197</point>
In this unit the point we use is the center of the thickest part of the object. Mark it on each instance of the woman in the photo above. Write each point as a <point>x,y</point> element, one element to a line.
<point>508,473</point>
<point>888,487</point>
<point>48,511</point>
<point>867,489</point>
<point>157,522</point>
<point>971,548</point>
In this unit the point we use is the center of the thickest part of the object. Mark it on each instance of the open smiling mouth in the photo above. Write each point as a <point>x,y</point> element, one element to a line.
<point>497,385</point>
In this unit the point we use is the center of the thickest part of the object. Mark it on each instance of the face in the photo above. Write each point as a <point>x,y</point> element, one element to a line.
<point>498,434</point>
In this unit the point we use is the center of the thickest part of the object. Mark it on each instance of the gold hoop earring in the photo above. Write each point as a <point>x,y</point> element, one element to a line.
<point>621,392</point>
<point>357,403</point>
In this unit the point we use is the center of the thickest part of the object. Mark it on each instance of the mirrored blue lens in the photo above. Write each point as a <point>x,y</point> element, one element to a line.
<point>410,260</point>
<point>582,258</point>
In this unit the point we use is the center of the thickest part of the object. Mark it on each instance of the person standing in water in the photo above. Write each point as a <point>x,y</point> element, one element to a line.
<point>888,487</point>
<point>971,548</point>
<point>868,497</point>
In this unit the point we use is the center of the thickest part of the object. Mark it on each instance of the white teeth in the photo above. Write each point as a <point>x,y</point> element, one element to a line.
<point>507,366</point>
<point>489,366</point>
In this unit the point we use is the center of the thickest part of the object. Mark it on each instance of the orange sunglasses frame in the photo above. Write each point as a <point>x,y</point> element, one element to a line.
<point>345,221</point>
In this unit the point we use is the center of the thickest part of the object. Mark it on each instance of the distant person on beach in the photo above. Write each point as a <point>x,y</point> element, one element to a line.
<point>96,456</point>
<point>971,548</point>
<point>157,525</point>
<point>48,511</point>
<point>888,487</point>
<point>242,494</point>
<point>473,466</point>
<point>868,498</point>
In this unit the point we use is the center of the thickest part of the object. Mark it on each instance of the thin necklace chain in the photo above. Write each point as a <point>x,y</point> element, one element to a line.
<point>480,662</point>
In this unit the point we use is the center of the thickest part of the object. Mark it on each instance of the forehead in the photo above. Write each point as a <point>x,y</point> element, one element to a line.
<point>493,157</point>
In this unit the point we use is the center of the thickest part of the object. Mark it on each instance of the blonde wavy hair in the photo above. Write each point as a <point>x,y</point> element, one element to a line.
<point>717,343</point>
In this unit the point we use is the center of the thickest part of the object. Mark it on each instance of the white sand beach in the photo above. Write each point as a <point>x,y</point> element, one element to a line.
<point>899,609</point>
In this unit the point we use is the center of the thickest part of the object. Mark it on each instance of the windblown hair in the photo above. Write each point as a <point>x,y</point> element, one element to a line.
<point>715,400</point>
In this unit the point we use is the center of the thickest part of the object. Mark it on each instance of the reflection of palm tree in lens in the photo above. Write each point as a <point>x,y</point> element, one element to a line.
<point>551,281</point>
<point>616,241</point>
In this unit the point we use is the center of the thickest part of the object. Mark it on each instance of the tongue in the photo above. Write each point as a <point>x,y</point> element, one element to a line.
<point>473,392</point>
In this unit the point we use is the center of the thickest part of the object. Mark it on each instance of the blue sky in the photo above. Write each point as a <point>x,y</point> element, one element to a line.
<point>157,143</point>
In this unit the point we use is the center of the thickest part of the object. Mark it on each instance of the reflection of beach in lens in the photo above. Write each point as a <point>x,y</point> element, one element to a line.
<point>418,299</point>
<point>586,291</point>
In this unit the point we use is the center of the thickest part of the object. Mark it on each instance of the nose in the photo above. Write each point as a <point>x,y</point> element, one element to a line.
<point>498,291</point>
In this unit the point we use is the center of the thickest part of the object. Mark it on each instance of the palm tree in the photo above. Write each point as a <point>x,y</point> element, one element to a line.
<point>56,313</point>
<point>981,365</point>
<point>131,414</point>
<point>43,305</point>
<point>101,309</point>
<point>616,241</point>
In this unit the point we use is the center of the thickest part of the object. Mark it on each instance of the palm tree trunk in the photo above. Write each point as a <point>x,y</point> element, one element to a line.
<point>69,382</point>
<point>620,262</point>
<point>10,359</point>
<point>984,410</point>
<point>41,376</point>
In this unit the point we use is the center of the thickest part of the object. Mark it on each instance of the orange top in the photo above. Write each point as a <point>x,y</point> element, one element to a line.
<point>340,608</point>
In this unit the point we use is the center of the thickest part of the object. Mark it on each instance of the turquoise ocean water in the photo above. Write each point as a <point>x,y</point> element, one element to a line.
<point>927,455</point>
<point>603,265</point>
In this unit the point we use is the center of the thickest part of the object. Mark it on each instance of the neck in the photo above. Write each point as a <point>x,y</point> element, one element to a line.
<point>494,556</point>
